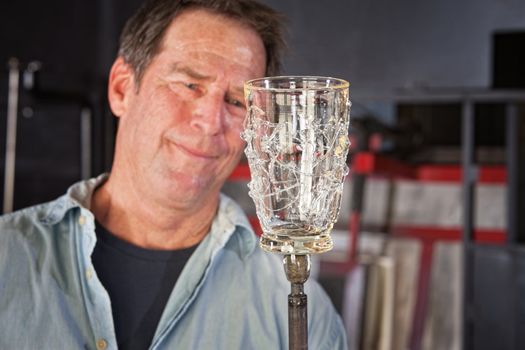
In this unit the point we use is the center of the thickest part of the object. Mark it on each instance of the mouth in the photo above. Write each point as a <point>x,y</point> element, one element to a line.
<point>195,152</point>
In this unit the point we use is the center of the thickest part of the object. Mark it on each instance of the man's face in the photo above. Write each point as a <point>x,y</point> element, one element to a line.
<point>178,134</point>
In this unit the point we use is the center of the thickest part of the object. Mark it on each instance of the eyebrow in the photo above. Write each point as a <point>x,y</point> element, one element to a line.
<point>177,68</point>
<point>239,90</point>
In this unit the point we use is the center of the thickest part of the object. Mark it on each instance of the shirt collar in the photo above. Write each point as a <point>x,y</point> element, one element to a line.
<point>78,195</point>
<point>230,217</point>
<point>230,220</point>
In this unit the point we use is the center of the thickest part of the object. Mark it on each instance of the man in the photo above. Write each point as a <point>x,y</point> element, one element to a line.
<point>153,256</point>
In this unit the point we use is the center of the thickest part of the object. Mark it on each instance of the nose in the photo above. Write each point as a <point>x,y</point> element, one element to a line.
<point>208,113</point>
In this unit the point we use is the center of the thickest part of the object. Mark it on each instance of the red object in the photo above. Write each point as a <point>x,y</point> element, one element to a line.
<point>368,163</point>
<point>494,174</point>
<point>443,173</point>
<point>240,173</point>
<point>375,141</point>
<point>354,228</point>
<point>256,225</point>
<point>432,233</point>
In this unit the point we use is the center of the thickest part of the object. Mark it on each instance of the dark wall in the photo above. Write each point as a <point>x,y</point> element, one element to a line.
<point>74,43</point>
<point>384,45</point>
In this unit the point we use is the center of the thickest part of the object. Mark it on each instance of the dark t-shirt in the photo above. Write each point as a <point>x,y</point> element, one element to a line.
<point>139,282</point>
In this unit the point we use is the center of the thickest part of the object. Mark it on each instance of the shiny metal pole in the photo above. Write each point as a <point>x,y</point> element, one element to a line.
<point>10,146</point>
<point>297,268</point>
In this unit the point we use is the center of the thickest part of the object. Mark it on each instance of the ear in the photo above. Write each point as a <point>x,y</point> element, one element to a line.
<point>120,87</point>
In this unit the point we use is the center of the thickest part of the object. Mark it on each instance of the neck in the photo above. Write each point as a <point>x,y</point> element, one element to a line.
<point>146,223</point>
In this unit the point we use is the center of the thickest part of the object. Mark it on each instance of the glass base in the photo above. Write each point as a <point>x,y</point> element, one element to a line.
<point>296,245</point>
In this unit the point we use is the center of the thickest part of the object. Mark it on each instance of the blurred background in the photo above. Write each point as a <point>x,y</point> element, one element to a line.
<point>429,245</point>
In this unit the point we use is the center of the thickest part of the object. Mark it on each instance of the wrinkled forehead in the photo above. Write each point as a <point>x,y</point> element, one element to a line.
<point>200,33</point>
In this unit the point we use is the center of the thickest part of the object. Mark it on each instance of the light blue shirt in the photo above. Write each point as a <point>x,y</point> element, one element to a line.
<point>230,295</point>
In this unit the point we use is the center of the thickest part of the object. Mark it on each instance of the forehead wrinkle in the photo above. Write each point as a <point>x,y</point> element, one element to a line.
<point>234,48</point>
<point>187,70</point>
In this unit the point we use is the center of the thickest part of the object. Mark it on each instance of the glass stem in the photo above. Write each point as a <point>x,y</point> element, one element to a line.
<point>297,268</point>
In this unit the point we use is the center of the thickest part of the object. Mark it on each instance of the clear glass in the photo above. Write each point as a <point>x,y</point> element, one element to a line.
<point>296,131</point>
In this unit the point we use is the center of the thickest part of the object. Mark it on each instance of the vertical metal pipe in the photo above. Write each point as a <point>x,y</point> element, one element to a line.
<point>512,172</point>
<point>297,269</point>
<point>356,205</point>
<point>297,318</point>
<point>512,161</point>
<point>10,147</point>
<point>85,143</point>
<point>469,179</point>
<point>519,172</point>
<point>469,170</point>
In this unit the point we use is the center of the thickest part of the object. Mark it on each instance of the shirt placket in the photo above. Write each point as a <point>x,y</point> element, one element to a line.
<point>96,298</point>
<point>176,308</point>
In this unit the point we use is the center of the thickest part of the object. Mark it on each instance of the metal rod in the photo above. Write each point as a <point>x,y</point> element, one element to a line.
<point>297,318</point>
<point>85,143</point>
<point>297,268</point>
<point>512,161</point>
<point>512,166</point>
<point>469,179</point>
<point>10,146</point>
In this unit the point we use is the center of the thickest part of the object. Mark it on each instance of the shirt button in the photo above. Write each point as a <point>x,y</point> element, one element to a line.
<point>89,273</point>
<point>101,344</point>
<point>81,220</point>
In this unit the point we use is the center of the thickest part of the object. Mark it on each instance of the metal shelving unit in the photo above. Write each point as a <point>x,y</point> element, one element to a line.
<point>492,311</point>
<point>475,256</point>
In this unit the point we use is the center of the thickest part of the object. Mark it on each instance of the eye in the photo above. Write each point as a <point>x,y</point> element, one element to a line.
<point>191,86</point>
<point>184,87</point>
<point>234,102</point>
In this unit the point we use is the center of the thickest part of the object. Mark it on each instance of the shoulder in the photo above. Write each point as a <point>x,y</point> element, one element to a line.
<point>23,221</point>
<point>24,241</point>
<point>44,217</point>
<point>25,234</point>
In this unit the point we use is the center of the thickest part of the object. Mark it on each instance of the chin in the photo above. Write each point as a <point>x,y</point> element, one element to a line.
<point>185,188</point>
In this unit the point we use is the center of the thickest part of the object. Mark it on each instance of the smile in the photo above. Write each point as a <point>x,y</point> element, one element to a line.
<point>196,152</point>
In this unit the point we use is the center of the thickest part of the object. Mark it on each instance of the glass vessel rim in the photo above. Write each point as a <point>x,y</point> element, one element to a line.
<point>259,83</point>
